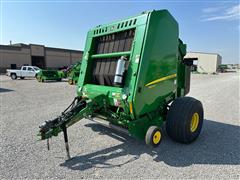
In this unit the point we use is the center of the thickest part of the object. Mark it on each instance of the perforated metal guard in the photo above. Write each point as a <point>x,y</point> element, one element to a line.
<point>104,69</point>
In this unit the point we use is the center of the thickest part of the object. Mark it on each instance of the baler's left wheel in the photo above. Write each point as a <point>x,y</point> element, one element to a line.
<point>153,136</point>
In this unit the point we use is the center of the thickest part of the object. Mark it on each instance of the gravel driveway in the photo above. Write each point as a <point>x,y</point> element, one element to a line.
<point>99,152</point>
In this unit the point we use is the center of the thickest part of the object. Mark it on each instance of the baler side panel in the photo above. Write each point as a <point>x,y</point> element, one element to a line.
<point>159,60</point>
<point>130,84</point>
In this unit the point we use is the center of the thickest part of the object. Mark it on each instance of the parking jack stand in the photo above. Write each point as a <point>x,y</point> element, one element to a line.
<point>66,142</point>
<point>48,145</point>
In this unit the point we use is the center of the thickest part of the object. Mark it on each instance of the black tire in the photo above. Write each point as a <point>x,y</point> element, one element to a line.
<point>70,81</point>
<point>13,76</point>
<point>39,79</point>
<point>182,124</point>
<point>22,77</point>
<point>152,136</point>
<point>59,79</point>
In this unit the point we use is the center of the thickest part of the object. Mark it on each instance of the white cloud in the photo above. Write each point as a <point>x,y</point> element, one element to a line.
<point>211,9</point>
<point>232,13</point>
<point>234,10</point>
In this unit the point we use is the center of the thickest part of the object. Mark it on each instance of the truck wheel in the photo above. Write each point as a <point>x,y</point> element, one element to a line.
<point>70,81</point>
<point>184,120</point>
<point>60,79</point>
<point>38,78</point>
<point>22,77</point>
<point>153,136</point>
<point>13,76</point>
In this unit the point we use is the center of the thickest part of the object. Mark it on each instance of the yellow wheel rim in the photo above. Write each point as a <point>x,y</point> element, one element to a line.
<point>194,122</point>
<point>157,137</point>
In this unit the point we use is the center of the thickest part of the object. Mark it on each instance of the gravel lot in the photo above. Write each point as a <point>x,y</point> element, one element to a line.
<point>103,153</point>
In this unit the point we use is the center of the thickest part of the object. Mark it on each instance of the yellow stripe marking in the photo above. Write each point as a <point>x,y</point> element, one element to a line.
<point>161,79</point>
<point>130,107</point>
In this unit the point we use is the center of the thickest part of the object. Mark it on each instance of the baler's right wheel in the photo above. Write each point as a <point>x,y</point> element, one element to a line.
<point>184,119</point>
<point>153,136</point>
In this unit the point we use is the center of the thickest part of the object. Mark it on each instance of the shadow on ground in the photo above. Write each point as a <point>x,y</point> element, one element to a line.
<point>218,144</point>
<point>25,79</point>
<point>53,81</point>
<point>2,90</point>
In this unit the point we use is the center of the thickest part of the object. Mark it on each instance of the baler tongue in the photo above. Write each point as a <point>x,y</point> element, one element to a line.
<point>75,112</point>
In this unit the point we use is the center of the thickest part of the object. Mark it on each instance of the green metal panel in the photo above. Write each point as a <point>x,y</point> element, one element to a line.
<point>158,60</point>
<point>111,55</point>
<point>182,71</point>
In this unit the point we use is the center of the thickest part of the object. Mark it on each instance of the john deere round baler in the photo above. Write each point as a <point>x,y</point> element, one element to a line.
<point>133,78</point>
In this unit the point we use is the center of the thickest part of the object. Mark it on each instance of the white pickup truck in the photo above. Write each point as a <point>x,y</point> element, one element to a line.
<point>25,71</point>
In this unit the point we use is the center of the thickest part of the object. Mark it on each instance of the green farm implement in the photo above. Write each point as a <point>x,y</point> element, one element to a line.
<point>222,68</point>
<point>133,78</point>
<point>73,73</point>
<point>45,75</point>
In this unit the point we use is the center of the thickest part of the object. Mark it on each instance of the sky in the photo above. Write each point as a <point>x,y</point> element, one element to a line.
<point>205,26</point>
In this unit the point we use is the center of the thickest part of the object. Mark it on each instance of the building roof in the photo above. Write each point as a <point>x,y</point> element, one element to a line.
<point>203,53</point>
<point>18,46</point>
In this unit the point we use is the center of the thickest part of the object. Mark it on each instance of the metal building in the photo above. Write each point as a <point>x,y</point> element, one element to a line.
<point>207,62</point>
<point>15,55</point>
